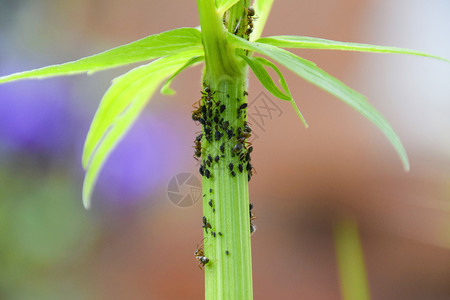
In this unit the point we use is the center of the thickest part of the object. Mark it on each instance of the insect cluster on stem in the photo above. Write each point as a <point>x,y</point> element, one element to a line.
<point>210,114</point>
<point>226,137</point>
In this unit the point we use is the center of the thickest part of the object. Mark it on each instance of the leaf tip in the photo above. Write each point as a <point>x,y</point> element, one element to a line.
<point>86,197</point>
<point>167,91</point>
<point>87,203</point>
<point>406,165</point>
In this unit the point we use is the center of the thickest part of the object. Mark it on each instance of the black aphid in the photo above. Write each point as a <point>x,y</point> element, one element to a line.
<point>218,135</point>
<point>243,106</point>
<point>230,133</point>
<point>225,125</point>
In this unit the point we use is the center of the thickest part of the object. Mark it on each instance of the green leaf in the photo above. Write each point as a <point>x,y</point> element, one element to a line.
<point>224,5</point>
<point>118,110</point>
<point>257,66</point>
<point>262,11</point>
<point>310,72</point>
<point>166,89</point>
<point>154,46</point>
<point>304,42</point>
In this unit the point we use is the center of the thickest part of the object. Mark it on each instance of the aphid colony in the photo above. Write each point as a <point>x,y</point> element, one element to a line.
<point>228,139</point>
<point>250,18</point>
<point>232,138</point>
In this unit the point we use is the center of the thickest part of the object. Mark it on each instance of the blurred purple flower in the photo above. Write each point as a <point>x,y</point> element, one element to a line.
<point>35,116</point>
<point>142,161</point>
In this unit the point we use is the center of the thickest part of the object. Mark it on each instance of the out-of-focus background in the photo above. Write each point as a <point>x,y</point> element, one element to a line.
<point>136,244</point>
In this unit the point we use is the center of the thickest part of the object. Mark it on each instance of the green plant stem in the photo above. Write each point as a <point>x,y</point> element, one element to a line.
<point>218,56</point>
<point>228,274</point>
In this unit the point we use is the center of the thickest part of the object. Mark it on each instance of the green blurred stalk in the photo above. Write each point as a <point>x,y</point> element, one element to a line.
<point>350,261</point>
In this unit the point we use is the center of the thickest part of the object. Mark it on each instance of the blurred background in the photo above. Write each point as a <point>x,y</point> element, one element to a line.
<point>136,244</point>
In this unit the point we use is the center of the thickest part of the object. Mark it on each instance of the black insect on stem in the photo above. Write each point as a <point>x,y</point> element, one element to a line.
<point>240,109</point>
<point>206,225</point>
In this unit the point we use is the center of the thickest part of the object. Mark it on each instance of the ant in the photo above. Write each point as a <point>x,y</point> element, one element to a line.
<point>197,113</point>
<point>245,156</point>
<point>249,30</point>
<point>252,217</point>
<point>198,146</point>
<point>247,132</point>
<point>250,18</point>
<point>200,256</point>
<point>208,95</point>
<point>241,142</point>
<point>247,128</point>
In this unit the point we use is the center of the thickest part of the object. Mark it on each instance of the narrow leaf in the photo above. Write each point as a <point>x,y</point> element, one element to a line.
<point>166,89</point>
<point>118,110</point>
<point>304,42</point>
<point>153,46</point>
<point>257,66</point>
<point>310,72</point>
<point>262,10</point>
<point>224,5</point>
<point>115,100</point>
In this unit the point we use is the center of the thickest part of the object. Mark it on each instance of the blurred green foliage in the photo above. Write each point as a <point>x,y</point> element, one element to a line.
<point>45,234</point>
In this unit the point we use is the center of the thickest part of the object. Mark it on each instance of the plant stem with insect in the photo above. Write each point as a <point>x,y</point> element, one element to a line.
<point>226,166</point>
